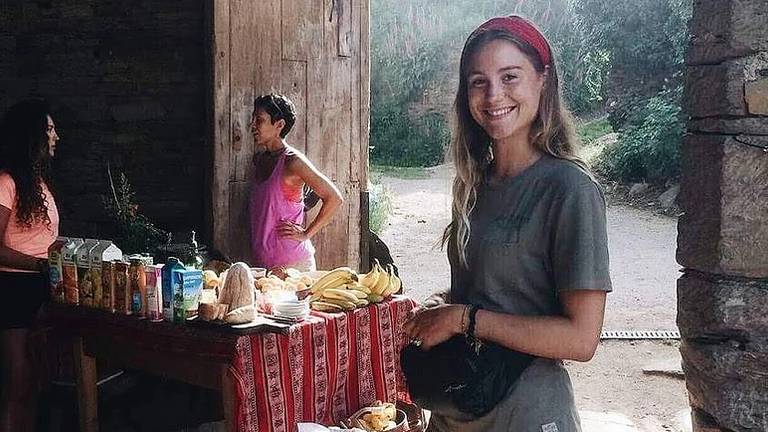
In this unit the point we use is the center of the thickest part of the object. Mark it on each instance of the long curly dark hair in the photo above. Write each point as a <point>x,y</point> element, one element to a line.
<point>24,156</point>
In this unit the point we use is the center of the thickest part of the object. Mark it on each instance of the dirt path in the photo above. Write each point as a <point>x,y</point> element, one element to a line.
<point>613,393</point>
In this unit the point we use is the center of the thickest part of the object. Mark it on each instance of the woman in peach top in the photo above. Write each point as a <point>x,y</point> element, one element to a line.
<point>29,224</point>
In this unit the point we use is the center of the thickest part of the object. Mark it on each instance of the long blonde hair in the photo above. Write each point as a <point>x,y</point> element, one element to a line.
<point>552,133</point>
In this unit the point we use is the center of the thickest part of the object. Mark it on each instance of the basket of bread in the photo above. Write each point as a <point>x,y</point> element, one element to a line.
<point>380,417</point>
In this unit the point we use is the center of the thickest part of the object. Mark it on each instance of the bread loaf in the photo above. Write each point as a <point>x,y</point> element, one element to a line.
<point>241,315</point>
<point>237,291</point>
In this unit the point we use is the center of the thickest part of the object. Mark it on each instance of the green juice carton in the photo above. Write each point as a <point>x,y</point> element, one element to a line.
<point>187,286</point>
<point>171,265</point>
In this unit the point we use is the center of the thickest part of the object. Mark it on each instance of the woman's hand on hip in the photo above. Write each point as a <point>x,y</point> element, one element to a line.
<point>289,230</point>
<point>433,326</point>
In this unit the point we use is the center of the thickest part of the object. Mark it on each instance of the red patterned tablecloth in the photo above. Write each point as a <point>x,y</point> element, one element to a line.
<point>323,370</point>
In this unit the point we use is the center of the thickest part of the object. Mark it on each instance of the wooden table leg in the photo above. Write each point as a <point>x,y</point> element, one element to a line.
<point>228,400</point>
<point>85,370</point>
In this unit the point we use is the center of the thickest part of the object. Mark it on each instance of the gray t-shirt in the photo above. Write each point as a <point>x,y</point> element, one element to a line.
<point>532,236</point>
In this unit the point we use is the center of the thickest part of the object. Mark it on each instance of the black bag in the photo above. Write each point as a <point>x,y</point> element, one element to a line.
<point>454,376</point>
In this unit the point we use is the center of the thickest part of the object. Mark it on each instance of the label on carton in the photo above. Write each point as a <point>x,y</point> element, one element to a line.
<point>187,285</point>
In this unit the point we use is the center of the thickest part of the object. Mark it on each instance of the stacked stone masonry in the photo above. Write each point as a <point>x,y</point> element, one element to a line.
<point>723,234</point>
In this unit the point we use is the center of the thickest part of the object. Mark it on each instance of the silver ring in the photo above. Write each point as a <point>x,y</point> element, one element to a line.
<point>416,342</point>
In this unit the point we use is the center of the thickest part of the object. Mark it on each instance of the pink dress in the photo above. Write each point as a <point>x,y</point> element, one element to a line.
<point>268,206</point>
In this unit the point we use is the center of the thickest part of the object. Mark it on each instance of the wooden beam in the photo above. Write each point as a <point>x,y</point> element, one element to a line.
<point>88,401</point>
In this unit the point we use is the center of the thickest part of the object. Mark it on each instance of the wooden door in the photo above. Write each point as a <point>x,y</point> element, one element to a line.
<point>315,52</point>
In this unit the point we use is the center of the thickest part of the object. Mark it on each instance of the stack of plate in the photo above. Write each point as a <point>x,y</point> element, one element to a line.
<point>291,308</point>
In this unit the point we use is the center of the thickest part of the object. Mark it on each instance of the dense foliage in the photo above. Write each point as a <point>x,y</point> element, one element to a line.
<point>623,58</point>
<point>132,231</point>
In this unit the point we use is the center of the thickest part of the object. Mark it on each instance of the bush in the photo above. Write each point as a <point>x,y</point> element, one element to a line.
<point>589,131</point>
<point>133,231</point>
<point>379,207</point>
<point>400,140</point>
<point>649,143</point>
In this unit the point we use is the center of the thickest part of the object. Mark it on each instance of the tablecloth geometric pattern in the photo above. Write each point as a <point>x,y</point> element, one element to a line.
<point>323,370</point>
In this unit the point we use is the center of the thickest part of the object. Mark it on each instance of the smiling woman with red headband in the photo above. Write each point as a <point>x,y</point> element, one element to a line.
<point>527,242</point>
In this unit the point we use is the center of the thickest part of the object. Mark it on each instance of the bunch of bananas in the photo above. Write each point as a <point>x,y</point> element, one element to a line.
<point>382,283</point>
<point>338,290</point>
<point>342,289</point>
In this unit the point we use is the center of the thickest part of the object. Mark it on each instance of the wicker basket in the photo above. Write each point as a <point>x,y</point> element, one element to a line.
<point>410,418</point>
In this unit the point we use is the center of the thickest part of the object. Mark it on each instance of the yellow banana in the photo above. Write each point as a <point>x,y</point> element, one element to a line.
<point>381,283</point>
<point>398,284</point>
<point>369,279</point>
<point>359,294</point>
<point>340,294</point>
<point>326,307</point>
<point>361,302</point>
<point>334,279</point>
<point>394,282</point>
<point>375,298</point>
<point>357,286</point>
<point>345,304</point>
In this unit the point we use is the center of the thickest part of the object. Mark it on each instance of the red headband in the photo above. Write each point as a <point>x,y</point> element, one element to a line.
<point>522,28</point>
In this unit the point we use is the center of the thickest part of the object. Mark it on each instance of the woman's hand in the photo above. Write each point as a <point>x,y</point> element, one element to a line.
<point>433,326</point>
<point>292,231</point>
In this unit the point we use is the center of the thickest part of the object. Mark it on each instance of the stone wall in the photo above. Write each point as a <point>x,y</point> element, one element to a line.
<point>127,83</point>
<point>723,236</point>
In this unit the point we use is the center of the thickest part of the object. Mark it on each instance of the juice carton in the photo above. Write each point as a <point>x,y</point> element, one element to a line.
<point>154,292</point>
<point>170,266</point>
<point>105,250</point>
<point>187,285</point>
<point>137,282</point>
<point>55,276</point>
<point>108,286</point>
<point>69,270</point>
<point>122,295</point>
<point>83,262</point>
<point>145,259</point>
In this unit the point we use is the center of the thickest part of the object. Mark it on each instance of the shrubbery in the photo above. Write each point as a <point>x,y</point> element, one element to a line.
<point>649,142</point>
<point>379,205</point>
<point>400,139</point>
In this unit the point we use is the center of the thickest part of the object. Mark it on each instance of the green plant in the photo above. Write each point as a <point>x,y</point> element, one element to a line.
<point>589,131</point>
<point>649,143</point>
<point>402,140</point>
<point>380,206</point>
<point>133,231</point>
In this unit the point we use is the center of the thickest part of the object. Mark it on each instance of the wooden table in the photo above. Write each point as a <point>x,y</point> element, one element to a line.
<point>193,355</point>
<point>321,370</point>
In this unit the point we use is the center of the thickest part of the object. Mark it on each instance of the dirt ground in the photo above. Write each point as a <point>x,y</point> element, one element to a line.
<point>613,393</point>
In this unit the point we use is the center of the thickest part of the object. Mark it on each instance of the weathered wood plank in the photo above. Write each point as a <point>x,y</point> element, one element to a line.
<point>339,110</point>
<point>294,85</point>
<point>219,200</point>
<point>301,28</point>
<point>353,227</point>
<point>243,24</point>
<point>365,89</point>
<point>85,370</point>
<point>239,222</point>
<point>345,24</point>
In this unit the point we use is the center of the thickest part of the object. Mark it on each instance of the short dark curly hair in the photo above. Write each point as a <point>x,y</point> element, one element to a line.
<point>279,107</point>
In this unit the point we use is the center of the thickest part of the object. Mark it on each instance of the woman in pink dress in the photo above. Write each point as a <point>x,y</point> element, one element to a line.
<point>29,224</point>
<point>276,206</point>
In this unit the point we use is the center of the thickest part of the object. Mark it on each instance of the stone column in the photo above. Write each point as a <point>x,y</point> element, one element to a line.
<point>723,234</point>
